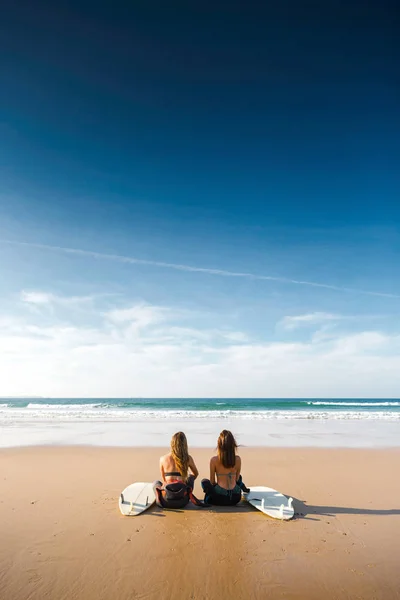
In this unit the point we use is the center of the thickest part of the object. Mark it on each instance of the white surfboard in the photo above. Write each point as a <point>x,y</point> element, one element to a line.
<point>136,498</point>
<point>270,502</point>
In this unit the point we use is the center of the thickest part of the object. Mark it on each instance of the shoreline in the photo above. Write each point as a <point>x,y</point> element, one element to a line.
<point>165,447</point>
<point>64,538</point>
<point>204,432</point>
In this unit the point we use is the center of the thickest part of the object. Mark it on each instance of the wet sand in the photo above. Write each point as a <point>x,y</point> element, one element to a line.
<point>62,536</point>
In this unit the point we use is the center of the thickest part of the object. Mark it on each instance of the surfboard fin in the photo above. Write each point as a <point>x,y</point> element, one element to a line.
<point>122,498</point>
<point>290,503</point>
<point>281,511</point>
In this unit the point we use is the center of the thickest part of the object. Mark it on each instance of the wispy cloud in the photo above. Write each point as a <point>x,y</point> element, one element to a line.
<point>315,318</point>
<point>191,269</point>
<point>39,298</point>
<point>325,319</point>
<point>141,315</point>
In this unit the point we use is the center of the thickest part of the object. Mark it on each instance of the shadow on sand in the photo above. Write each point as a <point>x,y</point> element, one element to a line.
<point>242,507</point>
<point>312,512</point>
<point>302,510</point>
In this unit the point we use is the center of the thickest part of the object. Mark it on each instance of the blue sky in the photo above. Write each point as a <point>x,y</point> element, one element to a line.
<point>229,143</point>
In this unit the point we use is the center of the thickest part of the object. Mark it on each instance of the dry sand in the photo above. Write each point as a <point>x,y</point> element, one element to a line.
<point>62,536</point>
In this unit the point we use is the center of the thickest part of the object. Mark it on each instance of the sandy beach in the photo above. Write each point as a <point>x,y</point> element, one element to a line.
<point>62,536</point>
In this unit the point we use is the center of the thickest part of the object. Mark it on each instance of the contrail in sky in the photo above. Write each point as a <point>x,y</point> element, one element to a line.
<point>178,267</point>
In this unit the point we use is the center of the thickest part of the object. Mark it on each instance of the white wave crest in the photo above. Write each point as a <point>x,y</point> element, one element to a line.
<point>81,413</point>
<point>364,404</point>
<point>61,407</point>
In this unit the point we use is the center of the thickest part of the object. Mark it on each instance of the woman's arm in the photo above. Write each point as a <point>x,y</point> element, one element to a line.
<point>212,470</point>
<point>238,467</point>
<point>193,467</point>
<point>162,469</point>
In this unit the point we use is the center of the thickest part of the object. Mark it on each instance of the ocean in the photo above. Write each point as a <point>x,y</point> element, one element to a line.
<point>151,421</point>
<point>199,408</point>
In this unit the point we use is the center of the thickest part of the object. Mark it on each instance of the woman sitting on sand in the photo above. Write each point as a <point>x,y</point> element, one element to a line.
<point>225,484</point>
<point>176,488</point>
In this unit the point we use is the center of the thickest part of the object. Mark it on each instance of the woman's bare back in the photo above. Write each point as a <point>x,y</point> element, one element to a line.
<point>168,465</point>
<point>225,477</point>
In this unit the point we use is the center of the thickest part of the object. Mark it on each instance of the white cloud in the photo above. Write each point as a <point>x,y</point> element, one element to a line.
<point>38,298</point>
<point>140,315</point>
<point>235,336</point>
<point>315,318</point>
<point>163,358</point>
<point>173,332</point>
<point>364,342</point>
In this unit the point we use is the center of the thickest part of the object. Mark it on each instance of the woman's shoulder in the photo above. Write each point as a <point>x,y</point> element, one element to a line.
<point>213,459</point>
<point>238,459</point>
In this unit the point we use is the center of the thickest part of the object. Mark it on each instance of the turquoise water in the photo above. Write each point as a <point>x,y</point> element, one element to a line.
<point>255,408</point>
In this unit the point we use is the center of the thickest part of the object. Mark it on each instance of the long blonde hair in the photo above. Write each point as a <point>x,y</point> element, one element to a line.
<point>180,453</point>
